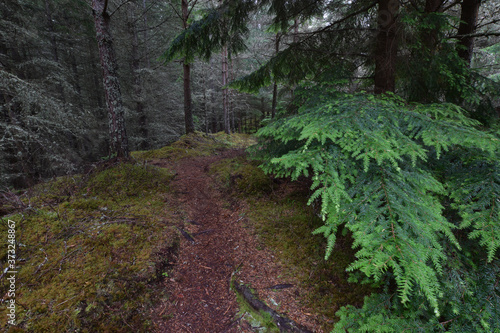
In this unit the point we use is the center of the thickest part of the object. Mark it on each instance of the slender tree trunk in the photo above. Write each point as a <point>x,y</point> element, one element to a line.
<point>231,95</point>
<point>188,113</point>
<point>468,21</point>
<point>205,106</point>
<point>114,103</point>
<point>386,46</point>
<point>275,85</point>
<point>225,108</point>
<point>295,40</point>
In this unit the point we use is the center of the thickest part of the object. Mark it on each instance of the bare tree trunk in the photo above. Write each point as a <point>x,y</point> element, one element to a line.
<point>386,46</point>
<point>275,85</point>
<point>114,103</point>
<point>225,108</point>
<point>231,95</point>
<point>188,112</point>
<point>295,40</point>
<point>468,20</point>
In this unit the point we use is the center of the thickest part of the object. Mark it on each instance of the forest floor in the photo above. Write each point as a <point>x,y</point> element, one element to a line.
<point>219,245</point>
<point>161,239</point>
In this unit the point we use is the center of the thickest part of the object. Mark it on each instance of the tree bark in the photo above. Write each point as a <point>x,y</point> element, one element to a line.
<point>225,107</point>
<point>468,21</point>
<point>114,103</point>
<point>386,46</point>
<point>275,85</point>
<point>231,95</point>
<point>188,112</point>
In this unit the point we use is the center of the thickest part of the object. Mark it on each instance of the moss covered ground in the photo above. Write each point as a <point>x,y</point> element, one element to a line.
<point>92,249</point>
<point>196,144</point>
<point>279,215</point>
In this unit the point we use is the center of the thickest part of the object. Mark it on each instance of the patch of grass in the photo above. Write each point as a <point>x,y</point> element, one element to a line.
<point>90,251</point>
<point>281,218</point>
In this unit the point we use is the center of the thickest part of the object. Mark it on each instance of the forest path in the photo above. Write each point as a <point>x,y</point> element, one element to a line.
<point>199,286</point>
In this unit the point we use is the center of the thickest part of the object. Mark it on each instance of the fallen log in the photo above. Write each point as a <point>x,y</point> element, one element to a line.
<point>284,324</point>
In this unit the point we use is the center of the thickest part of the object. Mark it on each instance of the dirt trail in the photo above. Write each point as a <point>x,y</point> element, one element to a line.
<point>200,297</point>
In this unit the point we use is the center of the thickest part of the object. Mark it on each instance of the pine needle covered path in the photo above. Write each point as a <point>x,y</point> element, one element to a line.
<point>215,243</point>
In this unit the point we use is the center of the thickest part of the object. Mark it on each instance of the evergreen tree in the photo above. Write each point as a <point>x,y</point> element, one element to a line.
<point>117,131</point>
<point>393,173</point>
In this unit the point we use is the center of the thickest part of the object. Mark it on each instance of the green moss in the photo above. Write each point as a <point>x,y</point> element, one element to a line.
<point>260,320</point>
<point>128,180</point>
<point>90,251</point>
<point>196,144</point>
<point>284,223</point>
<point>84,204</point>
<point>243,176</point>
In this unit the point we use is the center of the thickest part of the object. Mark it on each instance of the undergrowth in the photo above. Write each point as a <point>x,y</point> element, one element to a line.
<point>90,250</point>
<point>283,221</point>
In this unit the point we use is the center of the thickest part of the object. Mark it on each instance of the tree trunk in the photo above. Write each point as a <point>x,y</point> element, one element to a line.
<point>468,20</point>
<point>188,113</point>
<point>386,46</point>
<point>114,103</point>
<point>225,108</point>
<point>295,40</point>
<point>275,85</point>
<point>231,95</point>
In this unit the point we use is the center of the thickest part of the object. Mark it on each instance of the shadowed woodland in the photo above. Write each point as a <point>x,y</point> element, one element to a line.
<point>251,166</point>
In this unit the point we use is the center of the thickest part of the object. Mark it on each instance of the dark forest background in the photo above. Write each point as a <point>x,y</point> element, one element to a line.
<point>54,119</point>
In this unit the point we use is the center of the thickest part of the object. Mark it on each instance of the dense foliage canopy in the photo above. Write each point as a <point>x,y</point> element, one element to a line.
<point>413,174</point>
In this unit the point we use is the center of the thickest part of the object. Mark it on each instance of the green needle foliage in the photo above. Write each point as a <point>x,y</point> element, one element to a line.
<point>384,169</point>
<point>219,27</point>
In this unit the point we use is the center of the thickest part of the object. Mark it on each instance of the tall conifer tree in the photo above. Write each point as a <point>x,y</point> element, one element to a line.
<point>117,133</point>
